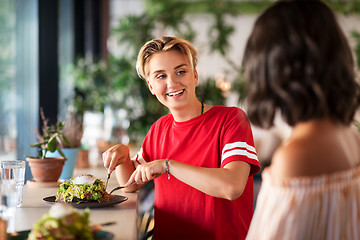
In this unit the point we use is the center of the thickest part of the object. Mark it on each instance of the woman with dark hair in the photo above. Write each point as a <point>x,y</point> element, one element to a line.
<point>297,62</point>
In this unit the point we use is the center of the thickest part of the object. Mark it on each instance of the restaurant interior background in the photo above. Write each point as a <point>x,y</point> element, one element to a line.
<point>77,58</point>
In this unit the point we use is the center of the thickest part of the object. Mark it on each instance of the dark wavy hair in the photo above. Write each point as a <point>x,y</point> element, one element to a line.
<point>297,60</point>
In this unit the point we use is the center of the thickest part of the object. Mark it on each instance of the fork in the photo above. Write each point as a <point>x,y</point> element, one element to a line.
<point>120,187</point>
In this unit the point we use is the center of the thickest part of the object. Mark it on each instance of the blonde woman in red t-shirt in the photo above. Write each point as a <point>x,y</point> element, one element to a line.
<point>201,157</point>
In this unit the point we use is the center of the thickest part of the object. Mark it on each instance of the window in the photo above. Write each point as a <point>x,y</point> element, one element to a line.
<point>8,130</point>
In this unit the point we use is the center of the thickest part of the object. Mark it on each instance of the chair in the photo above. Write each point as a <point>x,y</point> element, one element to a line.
<point>146,226</point>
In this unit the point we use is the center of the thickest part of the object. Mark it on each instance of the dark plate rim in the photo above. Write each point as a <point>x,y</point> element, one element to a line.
<point>115,200</point>
<point>99,235</point>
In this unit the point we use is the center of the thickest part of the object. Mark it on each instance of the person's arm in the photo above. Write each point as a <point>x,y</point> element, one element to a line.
<point>228,182</point>
<point>117,158</point>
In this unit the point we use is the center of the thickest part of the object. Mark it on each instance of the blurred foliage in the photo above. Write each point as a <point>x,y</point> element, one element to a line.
<point>236,7</point>
<point>208,93</point>
<point>356,36</point>
<point>345,7</point>
<point>357,125</point>
<point>229,7</point>
<point>114,81</point>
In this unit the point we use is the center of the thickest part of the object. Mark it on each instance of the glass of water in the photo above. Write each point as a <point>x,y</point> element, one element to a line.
<point>14,170</point>
<point>8,199</point>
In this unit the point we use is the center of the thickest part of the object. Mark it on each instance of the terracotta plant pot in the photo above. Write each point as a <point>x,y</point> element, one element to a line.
<point>71,155</point>
<point>46,170</point>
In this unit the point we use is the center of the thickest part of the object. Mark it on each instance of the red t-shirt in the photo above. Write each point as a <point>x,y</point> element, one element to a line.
<point>213,139</point>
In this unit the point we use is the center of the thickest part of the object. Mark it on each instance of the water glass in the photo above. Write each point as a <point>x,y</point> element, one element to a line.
<point>14,170</point>
<point>8,200</point>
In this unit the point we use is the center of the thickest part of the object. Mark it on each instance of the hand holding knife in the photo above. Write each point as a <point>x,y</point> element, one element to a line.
<point>113,157</point>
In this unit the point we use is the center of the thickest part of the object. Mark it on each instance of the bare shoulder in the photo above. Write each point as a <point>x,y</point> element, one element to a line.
<point>292,159</point>
<point>316,153</point>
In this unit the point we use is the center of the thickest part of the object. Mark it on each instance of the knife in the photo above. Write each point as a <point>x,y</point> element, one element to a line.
<point>107,180</point>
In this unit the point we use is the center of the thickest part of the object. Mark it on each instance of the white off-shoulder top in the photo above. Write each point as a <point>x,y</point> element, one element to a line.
<point>323,207</point>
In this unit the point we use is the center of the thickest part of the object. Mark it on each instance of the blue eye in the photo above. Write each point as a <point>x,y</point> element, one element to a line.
<point>181,72</point>
<point>162,76</point>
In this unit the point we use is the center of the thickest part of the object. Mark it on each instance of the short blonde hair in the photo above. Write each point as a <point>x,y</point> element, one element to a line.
<point>164,44</point>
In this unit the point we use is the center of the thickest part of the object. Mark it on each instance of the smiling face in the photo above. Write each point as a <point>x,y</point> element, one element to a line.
<point>172,80</point>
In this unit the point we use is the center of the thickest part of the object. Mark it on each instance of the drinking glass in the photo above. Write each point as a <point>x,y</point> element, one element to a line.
<point>14,170</point>
<point>8,200</point>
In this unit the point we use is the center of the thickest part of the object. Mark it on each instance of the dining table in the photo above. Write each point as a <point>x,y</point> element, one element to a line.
<point>120,220</point>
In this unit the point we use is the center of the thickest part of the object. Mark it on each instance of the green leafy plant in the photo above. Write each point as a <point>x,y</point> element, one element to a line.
<point>52,139</point>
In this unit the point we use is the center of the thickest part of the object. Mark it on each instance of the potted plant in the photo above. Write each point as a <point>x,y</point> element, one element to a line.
<point>43,168</point>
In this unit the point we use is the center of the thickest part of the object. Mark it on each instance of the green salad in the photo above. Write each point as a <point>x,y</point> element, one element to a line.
<point>70,192</point>
<point>62,222</point>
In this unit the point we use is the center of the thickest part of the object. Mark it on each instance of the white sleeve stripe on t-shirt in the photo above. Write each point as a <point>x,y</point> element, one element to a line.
<point>237,148</point>
<point>237,152</point>
<point>229,146</point>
